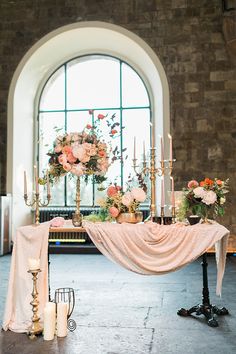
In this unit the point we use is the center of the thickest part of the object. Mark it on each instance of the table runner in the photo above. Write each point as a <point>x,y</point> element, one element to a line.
<point>29,242</point>
<point>151,248</point>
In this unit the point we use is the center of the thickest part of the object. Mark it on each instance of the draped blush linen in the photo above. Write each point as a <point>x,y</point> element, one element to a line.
<point>153,249</point>
<point>29,242</point>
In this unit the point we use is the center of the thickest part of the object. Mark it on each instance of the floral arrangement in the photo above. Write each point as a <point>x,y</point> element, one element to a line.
<point>118,201</point>
<point>83,153</point>
<point>205,198</point>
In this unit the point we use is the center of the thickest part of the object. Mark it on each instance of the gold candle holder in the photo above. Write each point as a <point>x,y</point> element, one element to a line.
<point>36,201</point>
<point>35,328</point>
<point>173,214</point>
<point>162,215</point>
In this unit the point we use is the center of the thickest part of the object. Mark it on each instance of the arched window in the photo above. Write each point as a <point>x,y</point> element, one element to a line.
<point>74,95</point>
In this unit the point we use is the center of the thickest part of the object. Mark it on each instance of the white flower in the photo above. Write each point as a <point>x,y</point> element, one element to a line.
<point>138,194</point>
<point>127,199</point>
<point>199,192</point>
<point>80,152</point>
<point>209,197</point>
<point>222,200</point>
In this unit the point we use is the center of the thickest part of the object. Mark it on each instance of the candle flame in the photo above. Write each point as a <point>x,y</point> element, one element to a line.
<point>169,136</point>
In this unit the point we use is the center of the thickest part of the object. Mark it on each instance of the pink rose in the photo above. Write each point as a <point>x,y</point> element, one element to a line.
<point>114,212</point>
<point>193,184</point>
<point>138,194</point>
<point>62,159</point>
<point>101,116</point>
<point>111,191</point>
<point>127,199</point>
<point>67,167</point>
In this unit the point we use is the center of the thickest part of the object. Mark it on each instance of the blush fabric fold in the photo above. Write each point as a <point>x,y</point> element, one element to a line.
<point>153,249</point>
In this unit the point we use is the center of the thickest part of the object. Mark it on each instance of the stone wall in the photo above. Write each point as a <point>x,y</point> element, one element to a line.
<point>187,36</point>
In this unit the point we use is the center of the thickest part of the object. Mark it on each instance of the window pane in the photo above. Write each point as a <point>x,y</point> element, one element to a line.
<point>93,82</point>
<point>137,124</point>
<point>114,141</point>
<point>53,97</point>
<point>48,123</point>
<point>77,121</point>
<point>134,93</point>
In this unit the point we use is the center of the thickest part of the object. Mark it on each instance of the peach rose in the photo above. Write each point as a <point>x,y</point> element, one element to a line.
<point>62,159</point>
<point>71,158</point>
<point>67,167</point>
<point>114,212</point>
<point>101,116</point>
<point>111,191</point>
<point>78,170</point>
<point>219,182</point>
<point>67,150</point>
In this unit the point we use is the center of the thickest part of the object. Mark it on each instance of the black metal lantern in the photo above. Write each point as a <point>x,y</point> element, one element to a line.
<point>67,295</point>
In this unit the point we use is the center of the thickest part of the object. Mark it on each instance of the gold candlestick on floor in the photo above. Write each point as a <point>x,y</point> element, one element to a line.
<point>35,328</point>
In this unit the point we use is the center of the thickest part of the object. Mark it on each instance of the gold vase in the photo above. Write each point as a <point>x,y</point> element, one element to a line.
<point>77,217</point>
<point>132,218</point>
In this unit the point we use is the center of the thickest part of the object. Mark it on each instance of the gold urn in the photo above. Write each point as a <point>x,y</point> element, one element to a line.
<point>132,218</point>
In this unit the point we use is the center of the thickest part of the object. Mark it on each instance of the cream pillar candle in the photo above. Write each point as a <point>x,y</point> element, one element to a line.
<point>49,316</point>
<point>134,148</point>
<point>62,310</point>
<point>162,192</point>
<point>171,147</point>
<point>25,183</point>
<point>172,192</point>
<point>34,263</point>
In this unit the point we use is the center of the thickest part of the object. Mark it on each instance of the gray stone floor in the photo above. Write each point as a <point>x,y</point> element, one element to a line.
<point>119,312</point>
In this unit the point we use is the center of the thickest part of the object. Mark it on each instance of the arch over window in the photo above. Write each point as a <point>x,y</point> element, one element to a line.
<point>73,96</point>
<point>39,62</point>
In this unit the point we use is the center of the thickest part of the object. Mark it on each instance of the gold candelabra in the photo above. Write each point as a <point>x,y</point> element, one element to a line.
<point>36,201</point>
<point>35,327</point>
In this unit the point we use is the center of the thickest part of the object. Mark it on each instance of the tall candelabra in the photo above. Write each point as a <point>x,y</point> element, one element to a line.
<point>153,171</point>
<point>36,200</point>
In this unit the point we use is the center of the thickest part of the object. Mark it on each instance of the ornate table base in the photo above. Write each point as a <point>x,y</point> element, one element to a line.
<point>205,308</point>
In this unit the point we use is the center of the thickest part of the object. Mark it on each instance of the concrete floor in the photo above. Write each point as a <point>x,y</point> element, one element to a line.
<point>119,312</point>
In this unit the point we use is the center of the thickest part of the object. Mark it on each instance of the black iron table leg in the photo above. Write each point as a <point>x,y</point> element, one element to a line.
<point>205,308</point>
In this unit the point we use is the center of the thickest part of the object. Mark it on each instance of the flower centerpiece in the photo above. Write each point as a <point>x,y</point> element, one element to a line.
<point>117,203</point>
<point>83,154</point>
<point>205,198</point>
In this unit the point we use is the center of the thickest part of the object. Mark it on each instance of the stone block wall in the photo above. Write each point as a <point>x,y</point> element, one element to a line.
<point>187,36</point>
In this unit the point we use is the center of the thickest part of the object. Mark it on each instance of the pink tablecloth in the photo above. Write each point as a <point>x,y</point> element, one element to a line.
<point>157,249</point>
<point>29,242</point>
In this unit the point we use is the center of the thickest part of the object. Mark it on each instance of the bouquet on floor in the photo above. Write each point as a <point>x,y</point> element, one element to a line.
<point>205,198</point>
